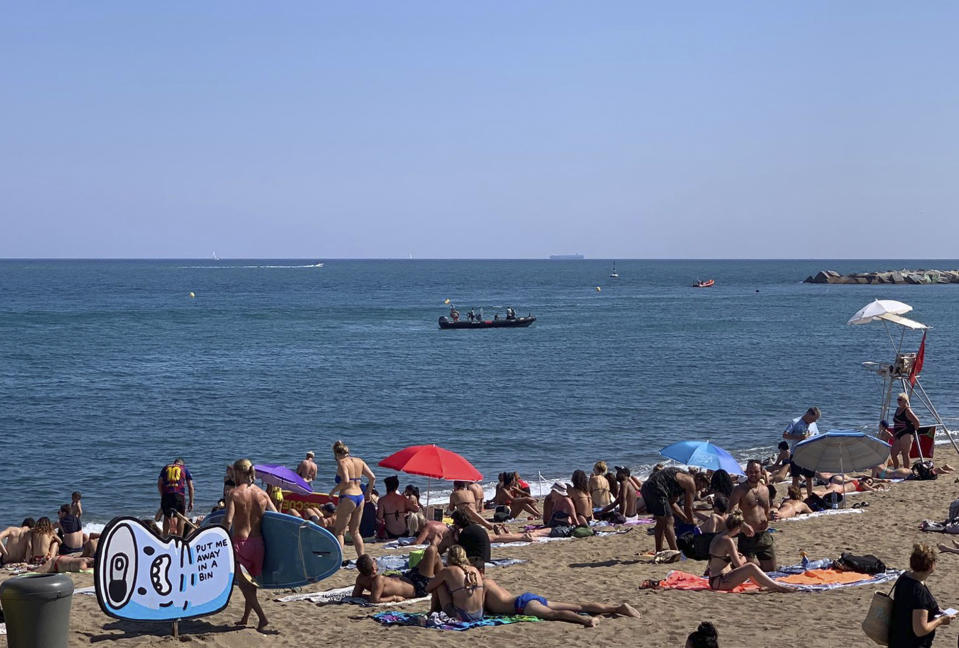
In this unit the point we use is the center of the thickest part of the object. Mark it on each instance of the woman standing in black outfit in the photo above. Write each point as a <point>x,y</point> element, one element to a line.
<point>914,609</point>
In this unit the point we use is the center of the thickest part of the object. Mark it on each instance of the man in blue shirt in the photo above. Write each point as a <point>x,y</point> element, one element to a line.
<point>798,430</point>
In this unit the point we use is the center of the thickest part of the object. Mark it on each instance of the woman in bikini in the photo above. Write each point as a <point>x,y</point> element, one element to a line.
<point>904,425</point>
<point>459,587</point>
<point>508,493</point>
<point>599,485</point>
<point>349,511</point>
<point>727,568</point>
<point>42,542</point>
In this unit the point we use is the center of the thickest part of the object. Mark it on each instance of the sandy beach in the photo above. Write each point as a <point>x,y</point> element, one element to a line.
<point>608,569</point>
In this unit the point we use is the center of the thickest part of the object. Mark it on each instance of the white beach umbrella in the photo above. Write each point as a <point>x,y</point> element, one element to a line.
<point>877,308</point>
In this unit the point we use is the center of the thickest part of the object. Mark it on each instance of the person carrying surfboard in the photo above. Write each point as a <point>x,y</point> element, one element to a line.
<point>245,506</point>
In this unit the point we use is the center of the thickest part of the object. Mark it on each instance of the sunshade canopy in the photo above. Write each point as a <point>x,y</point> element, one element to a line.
<point>703,454</point>
<point>840,451</point>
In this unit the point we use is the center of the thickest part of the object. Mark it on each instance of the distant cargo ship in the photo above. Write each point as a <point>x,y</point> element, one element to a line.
<point>566,257</point>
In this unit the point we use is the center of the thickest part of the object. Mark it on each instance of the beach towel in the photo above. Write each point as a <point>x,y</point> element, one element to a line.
<point>939,527</point>
<point>3,628</point>
<point>439,620</point>
<point>85,590</point>
<point>817,576</point>
<point>340,595</point>
<point>404,543</point>
<point>809,516</point>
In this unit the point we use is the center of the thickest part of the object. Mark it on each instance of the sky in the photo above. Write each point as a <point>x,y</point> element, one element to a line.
<point>479,130</point>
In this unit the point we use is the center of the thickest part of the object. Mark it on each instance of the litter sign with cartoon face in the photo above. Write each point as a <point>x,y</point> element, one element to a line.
<point>143,577</point>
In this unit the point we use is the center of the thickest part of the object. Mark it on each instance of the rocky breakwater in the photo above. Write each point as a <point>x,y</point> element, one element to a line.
<point>890,277</point>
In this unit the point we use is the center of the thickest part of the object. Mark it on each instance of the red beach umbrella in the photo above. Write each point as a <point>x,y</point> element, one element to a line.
<point>434,462</point>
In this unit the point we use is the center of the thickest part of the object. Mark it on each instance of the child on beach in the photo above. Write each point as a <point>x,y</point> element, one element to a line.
<point>76,509</point>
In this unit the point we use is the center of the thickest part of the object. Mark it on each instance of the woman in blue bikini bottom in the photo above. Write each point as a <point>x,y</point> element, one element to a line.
<point>500,601</point>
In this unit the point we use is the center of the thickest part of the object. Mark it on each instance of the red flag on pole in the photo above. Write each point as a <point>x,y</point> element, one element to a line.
<point>917,365</point>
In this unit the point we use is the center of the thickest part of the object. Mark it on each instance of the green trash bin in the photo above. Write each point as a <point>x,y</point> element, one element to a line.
<point>36,608</point>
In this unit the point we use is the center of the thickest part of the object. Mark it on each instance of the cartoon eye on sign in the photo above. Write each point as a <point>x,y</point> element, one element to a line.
<point>142,577</point>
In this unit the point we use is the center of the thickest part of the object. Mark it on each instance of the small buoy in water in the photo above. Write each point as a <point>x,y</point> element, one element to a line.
<point>446,301</point>
<point>192,295</point>
<point>598,289</point>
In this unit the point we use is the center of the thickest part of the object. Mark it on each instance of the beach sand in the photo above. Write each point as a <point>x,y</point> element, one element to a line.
<point>607,569</point>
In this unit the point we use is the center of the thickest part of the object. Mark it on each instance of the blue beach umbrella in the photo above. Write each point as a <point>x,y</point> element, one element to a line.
<point>703,454</point>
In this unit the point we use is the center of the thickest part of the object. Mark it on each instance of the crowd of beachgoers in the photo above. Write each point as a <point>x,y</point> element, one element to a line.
<point>721,516</point>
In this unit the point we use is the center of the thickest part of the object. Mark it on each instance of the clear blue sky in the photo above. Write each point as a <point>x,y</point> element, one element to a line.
<point>483,129</point>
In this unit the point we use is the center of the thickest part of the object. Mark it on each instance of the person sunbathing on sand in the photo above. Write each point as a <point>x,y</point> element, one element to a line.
<point>791,506</point>
<point>947,549</point>
<point>883,471</point>
<point>458,589</point>
<point>499,601</point>
<point>727,567</point>
<point>392,589</point>
<point>850,485</point>
<point>64,563</point>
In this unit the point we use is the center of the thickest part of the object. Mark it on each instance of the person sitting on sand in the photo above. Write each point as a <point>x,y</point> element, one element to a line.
<point>458,588</point>
<point>579,494</point>
<point>509,493</point>
<point>392,589</point>
<point>705,636</point>
<point>473,538</point>
<point>499,601</point>
<point>15,537</point>
<point>71,531</point>
<point>625,502</point>
<point>661,492</point>
<point>392,509</point>
<point>791,506</point>
<point>42,542</point>
<point>63,564</point>
<point>599,485</point>
<point>432,533</point>
<point>558,508</point>
<point>721,483</point>
<point>462,499</point>
<point>715,520</point>
<point>727,567</point>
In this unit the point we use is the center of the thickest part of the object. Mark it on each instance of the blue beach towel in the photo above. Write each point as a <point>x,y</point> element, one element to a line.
<point>439,621</point>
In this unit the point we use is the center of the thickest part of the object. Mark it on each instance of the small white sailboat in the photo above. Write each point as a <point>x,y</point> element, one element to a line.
<point>215,257</point>
<point>613,274</point>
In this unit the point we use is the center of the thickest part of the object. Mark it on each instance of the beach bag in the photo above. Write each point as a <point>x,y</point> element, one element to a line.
<point>501,514</point>
<point>923,470</point>
<point>867,564</point>
<point>582,532</point>
<point>816,503</point>
<point>695,545</point>
<point>832,500</point>
<point>879,617</point>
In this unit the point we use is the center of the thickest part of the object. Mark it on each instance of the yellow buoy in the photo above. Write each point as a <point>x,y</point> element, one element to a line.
<point>192,295</point>
<point>598,289</point>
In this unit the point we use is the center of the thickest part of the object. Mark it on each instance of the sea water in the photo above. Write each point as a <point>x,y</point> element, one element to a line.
<point>110,369</point>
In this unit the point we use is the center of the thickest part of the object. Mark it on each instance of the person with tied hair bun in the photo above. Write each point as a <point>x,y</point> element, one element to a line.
<point>245,505</point>
<point>704,636</point>
<point>349,510</point>
<point>915,613</point>
<point>599,485</point>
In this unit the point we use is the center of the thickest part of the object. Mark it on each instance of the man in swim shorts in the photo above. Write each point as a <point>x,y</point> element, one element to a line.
<point>661,492</point>
<point>245,506</point>
<point>392,589</point>
<point>307,468</point>
<point>499,601</point>
<point>752,498</point>
<point>71,531</point>
<point>173,483</point>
